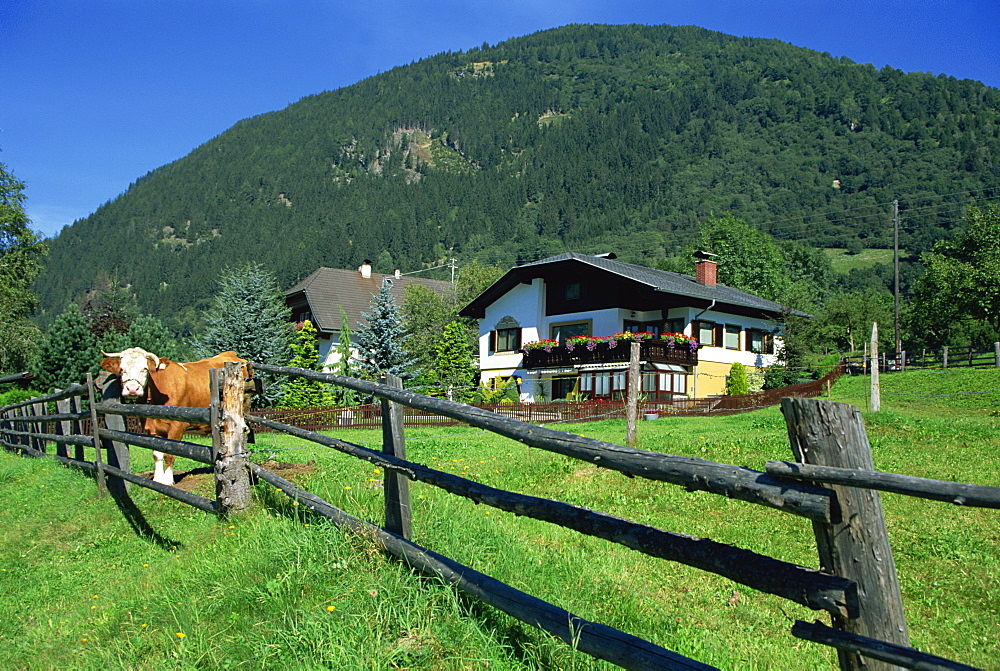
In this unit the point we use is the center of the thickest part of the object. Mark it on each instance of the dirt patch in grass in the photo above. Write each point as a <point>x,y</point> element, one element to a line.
<point>200,480</point>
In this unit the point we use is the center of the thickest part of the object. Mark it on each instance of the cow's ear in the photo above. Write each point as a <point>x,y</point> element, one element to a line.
<point>112,365</point>
<point>163,363</point>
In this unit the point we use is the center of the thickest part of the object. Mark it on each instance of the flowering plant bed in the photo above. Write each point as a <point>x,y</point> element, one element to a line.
<point>670,348</point>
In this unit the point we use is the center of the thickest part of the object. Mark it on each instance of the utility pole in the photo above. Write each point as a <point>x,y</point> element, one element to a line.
<point>895,265</point>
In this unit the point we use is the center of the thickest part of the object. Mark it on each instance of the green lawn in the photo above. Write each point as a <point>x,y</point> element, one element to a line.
<point>843,262</point>
<point>278,588</point>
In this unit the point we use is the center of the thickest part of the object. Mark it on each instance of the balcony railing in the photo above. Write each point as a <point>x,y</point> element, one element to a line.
<point>653,351</point>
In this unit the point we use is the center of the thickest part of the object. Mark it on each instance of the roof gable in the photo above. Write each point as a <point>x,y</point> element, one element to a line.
<point>660,281</point>
<point>327,290</point>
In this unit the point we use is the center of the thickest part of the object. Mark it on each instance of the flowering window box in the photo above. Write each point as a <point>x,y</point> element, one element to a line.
<point>589,349</point>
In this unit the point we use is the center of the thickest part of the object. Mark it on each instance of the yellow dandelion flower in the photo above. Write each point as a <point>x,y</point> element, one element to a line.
<point>93,607</point>
<point>180,634</point>
<point>330,609</point>
<point>144,625</point>
<point>83,640</point>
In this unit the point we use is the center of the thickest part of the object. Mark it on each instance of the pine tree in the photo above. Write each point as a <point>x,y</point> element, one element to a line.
<point>453,362</point>
<point>147,332</point>
<point>300,392</point>
<point>343,366</point>
<point>381,342</point>
<point>67,352</point>
<point>21,250</point>
<point>249,316</point>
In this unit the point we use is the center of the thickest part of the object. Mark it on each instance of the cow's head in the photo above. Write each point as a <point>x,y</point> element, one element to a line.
<point>132,367</point>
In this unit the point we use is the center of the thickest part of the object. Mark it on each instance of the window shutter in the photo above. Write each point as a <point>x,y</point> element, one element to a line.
<point>718,336</point>
<point>517,340</point>
<point>493,341</point>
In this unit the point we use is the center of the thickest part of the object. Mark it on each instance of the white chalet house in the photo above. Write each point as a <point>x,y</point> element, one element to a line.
<point>579,295</point>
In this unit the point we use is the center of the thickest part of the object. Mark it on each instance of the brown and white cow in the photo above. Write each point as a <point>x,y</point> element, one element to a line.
<point>165,382</point>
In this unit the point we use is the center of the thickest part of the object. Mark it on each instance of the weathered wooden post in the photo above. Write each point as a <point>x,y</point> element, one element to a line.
<point>944,357</point>
<point>64,427</point>
<point>996,353</point>
<point>232,470</point>
<point>632,394</point>
<point>38,409</point>
<point>856,546</point>
<point>94,428</point>
<point>396,487</point>
<point>875,404</point>
<point>118,452</point>
<point>78,452</point>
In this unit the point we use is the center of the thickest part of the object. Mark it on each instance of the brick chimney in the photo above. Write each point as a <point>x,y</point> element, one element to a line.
<point>705,268</point>
<point>365,269</point>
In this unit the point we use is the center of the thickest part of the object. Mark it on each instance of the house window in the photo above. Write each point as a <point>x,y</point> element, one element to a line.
<point>732,336</point>
<point>506,337</point>
<point>506,340</point>
<point>761,342</point>
<point>707,334</point>
<point>562,331</point>
<point>572,291</point>
<point>664,386</point>
<point>674,325</point>
<point>562,387</point>
<point>638,327</point>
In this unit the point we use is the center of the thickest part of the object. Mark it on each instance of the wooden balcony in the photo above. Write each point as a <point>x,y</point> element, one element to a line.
<point>652,351</point>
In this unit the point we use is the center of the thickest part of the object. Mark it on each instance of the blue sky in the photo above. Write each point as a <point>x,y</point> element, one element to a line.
<point>97,93</point>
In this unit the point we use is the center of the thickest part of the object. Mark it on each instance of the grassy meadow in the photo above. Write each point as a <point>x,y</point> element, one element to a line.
<point>87,584</point>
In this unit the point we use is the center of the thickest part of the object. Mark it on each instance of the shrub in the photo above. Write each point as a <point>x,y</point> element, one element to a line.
<point>737,383</point>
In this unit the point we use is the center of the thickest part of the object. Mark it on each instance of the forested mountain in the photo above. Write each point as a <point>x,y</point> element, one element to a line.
<point>587,138</point>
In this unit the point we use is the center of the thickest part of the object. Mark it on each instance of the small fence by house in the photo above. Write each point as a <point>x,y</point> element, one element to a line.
<point>859,587</point>
<point>370,416</point>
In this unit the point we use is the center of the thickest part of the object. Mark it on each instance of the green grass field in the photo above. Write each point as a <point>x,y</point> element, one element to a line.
<point>843,262</point>
<point>279,588</point>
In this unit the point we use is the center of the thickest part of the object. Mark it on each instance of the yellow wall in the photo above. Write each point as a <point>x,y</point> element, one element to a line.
<point>711,378</point>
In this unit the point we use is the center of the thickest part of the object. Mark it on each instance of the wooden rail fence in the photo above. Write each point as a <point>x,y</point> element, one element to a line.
<point>946,357</point>
<point>857,584</point>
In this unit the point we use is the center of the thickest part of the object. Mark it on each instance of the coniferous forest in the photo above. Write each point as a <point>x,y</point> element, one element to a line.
<point>583,138</point>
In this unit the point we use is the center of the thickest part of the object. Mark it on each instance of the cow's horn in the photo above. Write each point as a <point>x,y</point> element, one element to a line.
<point>156,359</point>
<point>118,354</point>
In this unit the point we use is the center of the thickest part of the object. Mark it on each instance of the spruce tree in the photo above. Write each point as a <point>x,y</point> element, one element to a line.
<point>453,362</point>
<point>66,353</point>
<point>147,332</point>
<point>249,316</point>
<point>381,341</point>
<point>344,365</point>
<point>300,392</point>
<point>21,251</point>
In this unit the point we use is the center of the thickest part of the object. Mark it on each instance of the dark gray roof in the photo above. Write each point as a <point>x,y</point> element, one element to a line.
<point>657,280</point>
<point>328,289</point>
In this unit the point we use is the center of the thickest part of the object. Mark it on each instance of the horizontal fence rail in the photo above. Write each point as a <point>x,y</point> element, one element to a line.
<point>735,482</point>
<point>795,583</point>
<point>786,486</point>
<point>946,357</point>
<point>979,496</point>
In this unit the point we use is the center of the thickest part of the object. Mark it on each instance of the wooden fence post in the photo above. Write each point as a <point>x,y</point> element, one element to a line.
<point>63,428</point>
<point>996,353</point>
<point>95,428</point>
<point>78,452</point>
<point>632,395</point>
<point>944,357</point>
<point>875,404</point>
<point>232,468</point>
<point>395,486</point>
<point>118,452</point>
<point>38,427</point>
<point>856,546</point>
